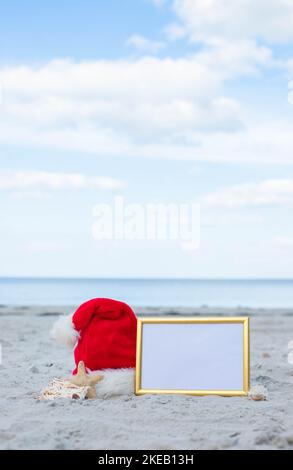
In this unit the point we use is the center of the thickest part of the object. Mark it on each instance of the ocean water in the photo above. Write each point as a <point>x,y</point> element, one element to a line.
<point>149,292</point>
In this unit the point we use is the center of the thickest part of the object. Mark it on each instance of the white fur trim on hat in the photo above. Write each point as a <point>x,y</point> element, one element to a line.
<point>115,382</point>
<point>63,331</point>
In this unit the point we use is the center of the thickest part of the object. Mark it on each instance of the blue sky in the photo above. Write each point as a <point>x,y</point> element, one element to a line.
<point>168,100</point>
<point>90,29</point>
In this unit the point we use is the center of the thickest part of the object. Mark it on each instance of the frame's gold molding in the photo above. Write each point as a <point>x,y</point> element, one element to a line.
<point>227,393</point>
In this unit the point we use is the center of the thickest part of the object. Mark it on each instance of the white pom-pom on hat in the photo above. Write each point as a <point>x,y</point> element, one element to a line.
<point>64,333</point>
<point>115,382</point>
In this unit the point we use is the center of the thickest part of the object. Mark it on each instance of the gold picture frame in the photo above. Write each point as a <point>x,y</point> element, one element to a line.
<point>198,320</point>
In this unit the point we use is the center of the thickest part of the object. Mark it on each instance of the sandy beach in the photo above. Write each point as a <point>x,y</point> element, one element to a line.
<point>30,359</point>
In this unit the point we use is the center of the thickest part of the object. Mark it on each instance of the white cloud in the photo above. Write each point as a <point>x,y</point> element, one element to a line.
<point>207,20</point>
<point>27,180</point>
<point>264,193</point>
<point>146,107</point>
<point>174,31</point>
<point>143,44</point>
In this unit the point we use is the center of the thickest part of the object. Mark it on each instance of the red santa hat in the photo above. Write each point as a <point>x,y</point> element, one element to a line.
<point>103,332</point>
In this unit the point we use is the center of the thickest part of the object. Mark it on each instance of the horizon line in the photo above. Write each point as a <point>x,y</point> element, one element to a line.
<point>138,278</point>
